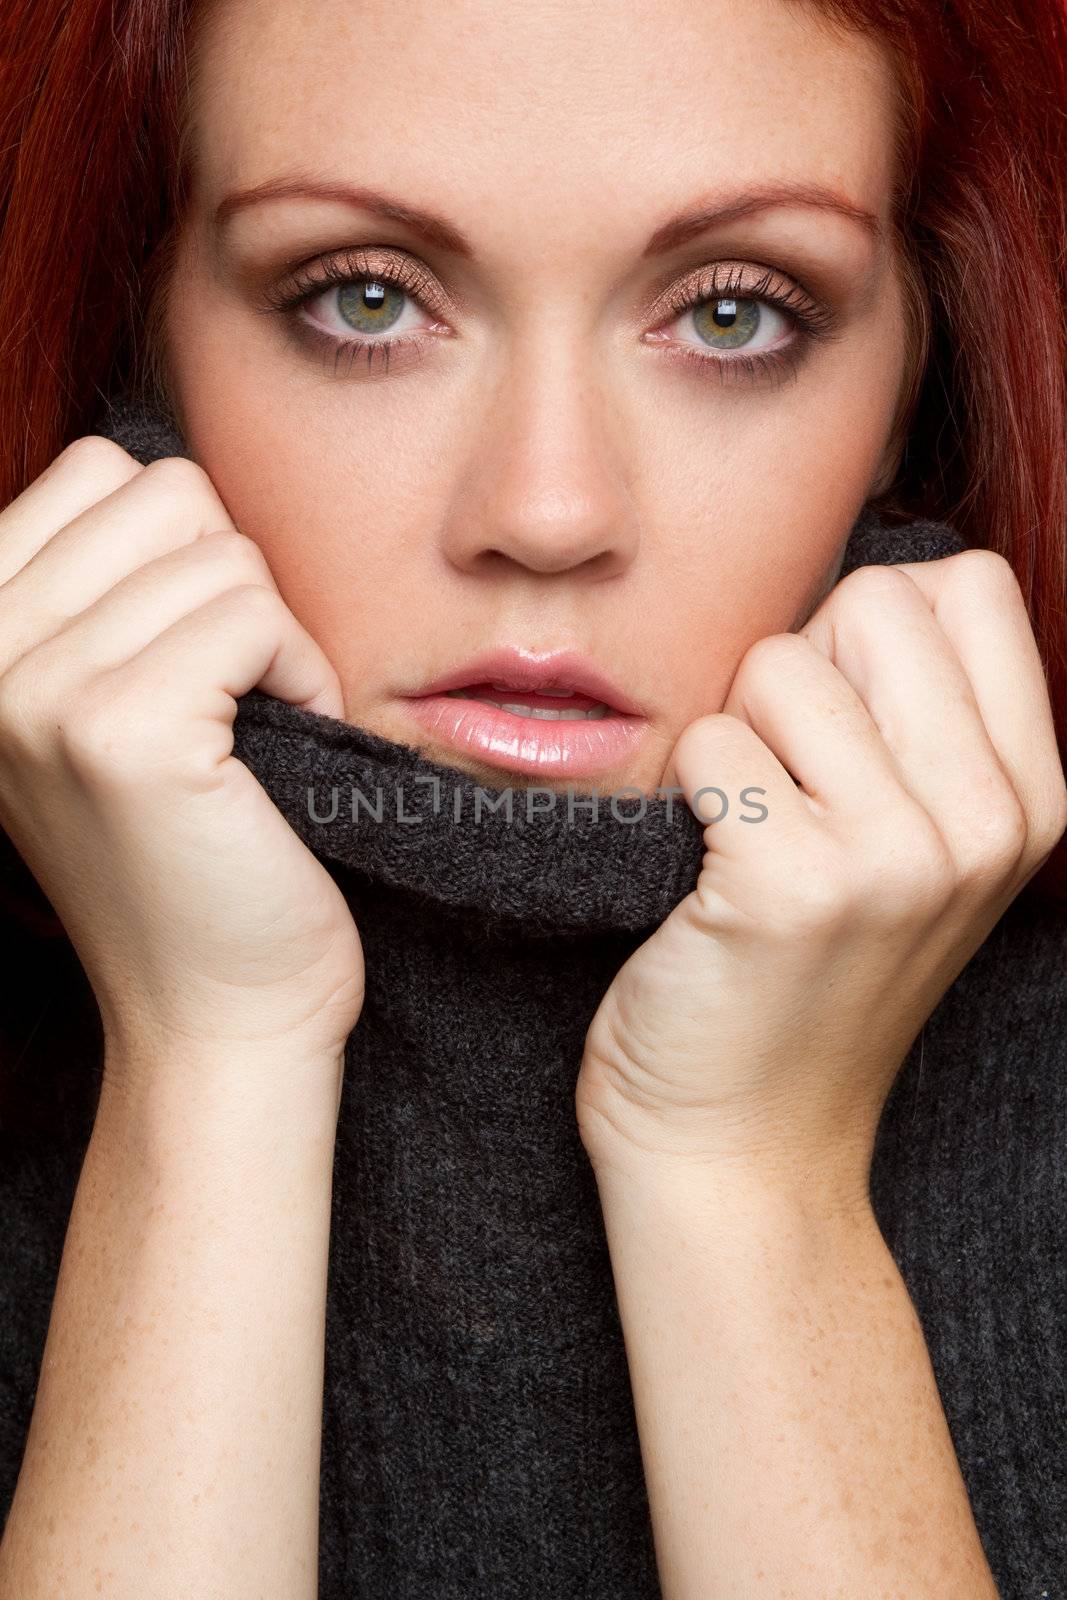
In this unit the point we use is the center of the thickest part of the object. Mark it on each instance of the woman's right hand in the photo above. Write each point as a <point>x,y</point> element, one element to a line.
<point>132,615</point>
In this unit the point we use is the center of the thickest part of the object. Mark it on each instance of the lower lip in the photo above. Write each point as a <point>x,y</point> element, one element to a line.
<point>568,748</point>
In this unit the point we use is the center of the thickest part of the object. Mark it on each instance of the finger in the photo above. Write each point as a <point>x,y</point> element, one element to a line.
<point>167,505</point>
<point>736,786</point>
<point>86,472</point>
<point>147,602</point>
<point>808,713</point>
<point>880,633</point>
<point>976,600</point>
<point>241,639</point>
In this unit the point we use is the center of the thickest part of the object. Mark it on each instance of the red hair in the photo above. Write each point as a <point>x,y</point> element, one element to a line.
<point>92,97</point>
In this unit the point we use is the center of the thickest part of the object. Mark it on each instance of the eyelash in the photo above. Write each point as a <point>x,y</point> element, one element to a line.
<point>811,321</point>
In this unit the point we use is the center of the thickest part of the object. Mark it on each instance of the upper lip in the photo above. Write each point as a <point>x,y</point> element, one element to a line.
<point>522,669</point>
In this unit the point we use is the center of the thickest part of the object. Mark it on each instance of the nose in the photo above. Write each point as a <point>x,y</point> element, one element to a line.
<point>546,488</point>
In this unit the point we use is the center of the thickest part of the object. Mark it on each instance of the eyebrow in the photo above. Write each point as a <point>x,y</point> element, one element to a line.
<point>435,230</point>
<point>744,204</point>
<point>441,234</point>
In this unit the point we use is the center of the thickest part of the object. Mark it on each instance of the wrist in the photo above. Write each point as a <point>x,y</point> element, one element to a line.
<point>732,1191</point>
<point>240,1092</point>
<point>748,1160</point>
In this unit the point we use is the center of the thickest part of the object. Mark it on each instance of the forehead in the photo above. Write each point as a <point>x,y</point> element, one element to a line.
<point>565,111</point>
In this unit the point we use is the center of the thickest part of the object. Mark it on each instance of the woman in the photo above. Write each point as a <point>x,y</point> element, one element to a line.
<point>817,209</point>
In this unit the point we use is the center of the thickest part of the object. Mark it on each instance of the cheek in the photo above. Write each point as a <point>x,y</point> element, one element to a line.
<point>776,499</point>
<point>346,541</point>
<point>339,515</point>
<point>310,472</point>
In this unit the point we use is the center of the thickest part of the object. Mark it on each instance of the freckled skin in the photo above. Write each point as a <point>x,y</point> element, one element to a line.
<point>541,475</point>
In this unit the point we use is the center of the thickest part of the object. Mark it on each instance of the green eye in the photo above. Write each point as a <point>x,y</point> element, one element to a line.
<point>369,305</point>
<point>726,324</point>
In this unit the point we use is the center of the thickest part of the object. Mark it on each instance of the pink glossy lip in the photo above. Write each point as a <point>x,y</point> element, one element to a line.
<point>561,669</point>
<point>572,748</point>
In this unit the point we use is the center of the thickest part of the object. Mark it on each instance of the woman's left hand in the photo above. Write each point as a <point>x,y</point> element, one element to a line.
<point>906,747</point>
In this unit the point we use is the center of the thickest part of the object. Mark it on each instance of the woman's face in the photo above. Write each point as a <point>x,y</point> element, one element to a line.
<point>624,395</point>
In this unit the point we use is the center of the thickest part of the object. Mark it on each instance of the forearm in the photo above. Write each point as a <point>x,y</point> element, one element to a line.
<point>175,1440</point>
<point>793,1438</point>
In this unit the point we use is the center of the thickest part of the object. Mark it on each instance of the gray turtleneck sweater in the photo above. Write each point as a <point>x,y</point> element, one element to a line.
<point>478,1432</point>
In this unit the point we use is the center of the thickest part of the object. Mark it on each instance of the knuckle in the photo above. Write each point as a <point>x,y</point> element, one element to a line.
<point>917,874</point>
<point>872,585</point>
<point>238,550</point>
<point>20,709</point>
<point>254,597</point>
<point>1053,824</point>
<point>92,453</point>
<point>774,659</point>
<point>100,734</point>
<point>774,652</point>
<point>712,727</point>
<point>86,730</point>
<point>985,567</point>
<point>1001,833</point>
<point>1048,814</point>
<point>709,740</point>
<point>817,893</point>
<point>179,475</point>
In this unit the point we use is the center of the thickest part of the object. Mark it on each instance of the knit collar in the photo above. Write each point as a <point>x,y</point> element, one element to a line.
<point>558,863</point>
<point>521,859</point>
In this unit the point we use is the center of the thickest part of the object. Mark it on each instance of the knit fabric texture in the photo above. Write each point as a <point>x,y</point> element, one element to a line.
<point>479,1439</point>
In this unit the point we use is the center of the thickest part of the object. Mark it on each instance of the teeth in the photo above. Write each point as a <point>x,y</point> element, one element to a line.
<point>554,716</point>
<point>543,713</point>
